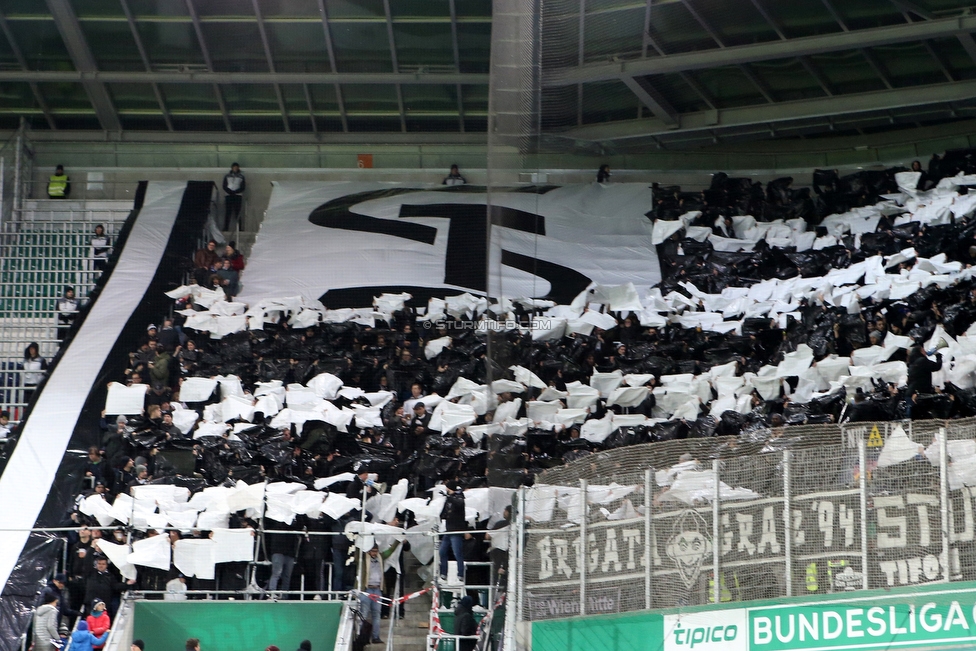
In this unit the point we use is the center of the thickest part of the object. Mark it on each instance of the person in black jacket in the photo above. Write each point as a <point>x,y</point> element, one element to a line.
<point>283,550</point>
<point>920,372</point>
<point>103,585</point>
<point>56,590</point>
<point>920,369</point>
<point>464,623</point>
<point>455,525</point>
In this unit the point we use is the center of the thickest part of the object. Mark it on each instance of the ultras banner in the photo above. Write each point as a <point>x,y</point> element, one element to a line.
<point>344,243</point>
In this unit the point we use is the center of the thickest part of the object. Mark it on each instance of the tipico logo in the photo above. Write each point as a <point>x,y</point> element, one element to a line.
<point>706,631</point>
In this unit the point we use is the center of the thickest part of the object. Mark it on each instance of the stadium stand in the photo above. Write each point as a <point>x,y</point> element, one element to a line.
<point>586,394</point>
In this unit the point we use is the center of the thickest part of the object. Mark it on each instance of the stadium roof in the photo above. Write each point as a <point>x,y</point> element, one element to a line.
<point>621,74</point>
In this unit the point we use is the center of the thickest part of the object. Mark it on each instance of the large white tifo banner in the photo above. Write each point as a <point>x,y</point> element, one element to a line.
<point>341,242</point>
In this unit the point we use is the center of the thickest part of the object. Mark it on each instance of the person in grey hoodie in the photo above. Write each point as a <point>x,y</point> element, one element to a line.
<point>46,624</point>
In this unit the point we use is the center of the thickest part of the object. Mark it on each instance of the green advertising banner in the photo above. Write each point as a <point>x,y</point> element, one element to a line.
<point>236,625</point>
<point>933,616</point>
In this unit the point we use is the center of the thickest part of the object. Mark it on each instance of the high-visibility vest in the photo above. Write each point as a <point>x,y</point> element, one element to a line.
<point>57,185</point>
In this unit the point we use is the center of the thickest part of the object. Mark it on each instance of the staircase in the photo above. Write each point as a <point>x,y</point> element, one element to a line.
<point>410,633</point>
<point>44,248</point>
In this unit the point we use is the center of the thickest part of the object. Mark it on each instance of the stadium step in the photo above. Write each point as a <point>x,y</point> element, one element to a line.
<point>44,248</point>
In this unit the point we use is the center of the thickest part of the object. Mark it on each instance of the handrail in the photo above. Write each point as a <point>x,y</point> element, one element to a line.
<point>118,626</point>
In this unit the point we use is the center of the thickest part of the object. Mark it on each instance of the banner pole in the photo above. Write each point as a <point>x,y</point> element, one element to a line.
<point>788,524</point>
<point>716,542</point>
<point>862,456</point>
<point>944,502</point>
<point>649,565</point>
<point>582,556</point>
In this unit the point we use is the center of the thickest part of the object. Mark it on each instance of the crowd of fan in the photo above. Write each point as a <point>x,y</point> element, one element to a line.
<point>392,356</point>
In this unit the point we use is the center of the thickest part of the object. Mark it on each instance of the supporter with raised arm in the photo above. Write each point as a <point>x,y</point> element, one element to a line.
<point>373,584</point>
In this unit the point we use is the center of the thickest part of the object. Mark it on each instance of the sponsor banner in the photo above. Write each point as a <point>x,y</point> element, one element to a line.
<point>933,617</point>
<point>723,630</point>
<point>927,620</point>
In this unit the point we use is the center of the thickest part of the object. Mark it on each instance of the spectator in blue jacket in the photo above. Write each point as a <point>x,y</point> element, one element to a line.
<point>83,640</point>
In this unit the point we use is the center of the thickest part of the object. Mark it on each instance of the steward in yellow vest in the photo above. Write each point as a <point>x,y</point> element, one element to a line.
<point>58,187</point>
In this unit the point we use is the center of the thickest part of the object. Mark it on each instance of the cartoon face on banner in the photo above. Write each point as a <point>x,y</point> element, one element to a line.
<point>689,546</point>
<point>344,243</point>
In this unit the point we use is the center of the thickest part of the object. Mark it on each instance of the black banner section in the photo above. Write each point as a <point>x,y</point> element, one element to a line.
<point>40,554</point>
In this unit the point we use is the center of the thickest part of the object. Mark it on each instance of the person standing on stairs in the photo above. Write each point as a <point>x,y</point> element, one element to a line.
<point>67,308</point>
<point>372,582</point>
<point>59,185</point>
<point>34,367</point>
<point>234,185</point>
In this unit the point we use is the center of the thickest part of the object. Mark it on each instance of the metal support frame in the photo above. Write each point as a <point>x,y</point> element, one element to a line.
<point>704,23</point>
<point>264,78</point>
<point>271,66</point>
<point>814,72</point>
<point>699,90</point>
<point>862,460</point>
<point>652,99</point>
<point>146,62</point>
<point>767,51</point>
<point>787,523</point>
<point>876,67</point>
<point>716,541</point>
<point>781,113</point>
<point>516,541</point>
<point>330,48</point>
<point>206,58</point>
<point>768,17</point>
<point>457,61</point>
<point>760,85</point>
<point>584,492</point>
<point>311,109</point>
<point>396,65</point>
<point>944,504</point>
<point>648,537</point>
<point>22,62</point>
<point>580,54</point>
<point>832,10</point>
<point>81,56</point>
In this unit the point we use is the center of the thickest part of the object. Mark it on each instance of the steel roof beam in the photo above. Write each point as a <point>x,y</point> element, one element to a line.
<point>271,66</point>
<point>396,64</point>
<point>84,61</point>
<point>652,99</point>
<point>207,60</point>
<point>145,62</point>
<point>760,85</point>
<point>330,48</point>
<point>22,62</point>
<point>704,23</point>
<point>819,76</point>
<point>780,113</point>
<point>457,61</point>
<point>755,52</point>
<point>174,77</point>
<point>877,68</point>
